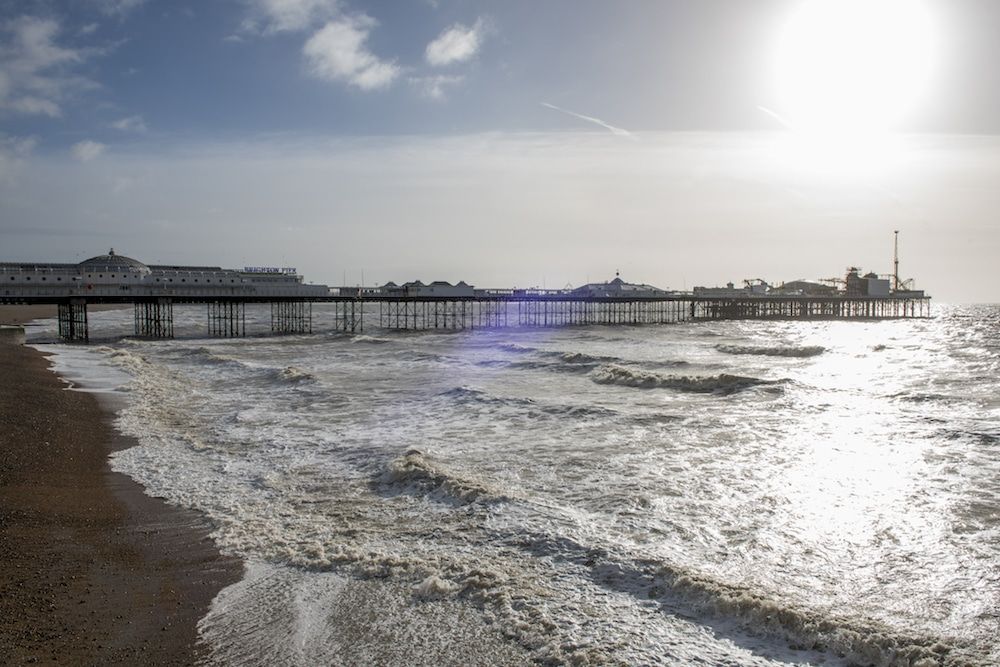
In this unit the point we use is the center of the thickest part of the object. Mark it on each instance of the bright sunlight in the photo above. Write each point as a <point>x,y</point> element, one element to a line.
<point>854,67</point>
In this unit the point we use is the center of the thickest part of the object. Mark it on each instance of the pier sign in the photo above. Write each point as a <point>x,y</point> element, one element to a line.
<point>270,269</point>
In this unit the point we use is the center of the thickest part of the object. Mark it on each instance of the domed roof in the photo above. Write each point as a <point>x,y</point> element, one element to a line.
<point>113,262</point>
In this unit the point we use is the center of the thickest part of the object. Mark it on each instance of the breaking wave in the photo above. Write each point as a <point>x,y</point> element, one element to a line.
<point>773,351</point>
<point>861,642</point>
<point>578,357</point>
<point>414,473</point>
<point>556,367</point>
<point>708,384</point>
<point>918,397</point>
<point>516,348</point>
<point>208,356</point>
<point>370,340</point>
<point>133,362</point>
<point>291,374</point>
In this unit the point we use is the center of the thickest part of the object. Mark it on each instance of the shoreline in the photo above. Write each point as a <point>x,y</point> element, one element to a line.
<point>94,570</point>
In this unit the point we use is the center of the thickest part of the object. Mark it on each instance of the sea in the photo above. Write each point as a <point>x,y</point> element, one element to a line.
<point>709,493</point>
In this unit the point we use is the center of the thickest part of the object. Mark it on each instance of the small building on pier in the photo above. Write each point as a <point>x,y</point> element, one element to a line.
<point>869,284</point>
<point>751,288</point>
<point>805,288</point>
<point>618,289</point>
<point>438,288</point>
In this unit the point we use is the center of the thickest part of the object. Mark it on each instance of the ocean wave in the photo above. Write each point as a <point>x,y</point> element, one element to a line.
<point>670,363</point>
<point>530,407</point>
<point>677,588</point>
<point>861,642</point>
<point>133,362</point>
<point>208,356</point>
<point>464,393</point>
<point>516,348</point>
<point>918,397</point>
<point>773,351</point>
<point>370,340</point>
<point>493,363</point>
<point>291,374</point>
<point>416,474</point>
<point>579,357</point>
<point>708,384</point>
<point>555,367</point>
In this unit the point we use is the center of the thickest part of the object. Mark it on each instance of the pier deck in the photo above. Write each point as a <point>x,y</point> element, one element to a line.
<point>226,313</point>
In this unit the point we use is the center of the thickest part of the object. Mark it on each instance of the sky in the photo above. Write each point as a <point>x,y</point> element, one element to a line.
<point>508,143</point>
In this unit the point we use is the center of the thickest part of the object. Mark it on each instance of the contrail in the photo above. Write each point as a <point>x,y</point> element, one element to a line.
<point>778,117</point>
<point>617,131</point>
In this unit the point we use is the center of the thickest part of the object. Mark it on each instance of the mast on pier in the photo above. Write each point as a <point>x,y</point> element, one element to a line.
<point>895,261</point>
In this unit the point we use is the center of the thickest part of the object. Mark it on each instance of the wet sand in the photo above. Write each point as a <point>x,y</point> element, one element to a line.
<point>92,570</point>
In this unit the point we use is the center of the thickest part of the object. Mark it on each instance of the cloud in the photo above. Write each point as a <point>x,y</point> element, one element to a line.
<point>337,52</point>
<point>272,16</point>
<point>130,124</point>
<point>456,44</point>
<point>13,151</point>
<point>36,74</point>
<point>434,86</point>
<point>118,7</point>
<point>87,150</point>
<point>617,131</point>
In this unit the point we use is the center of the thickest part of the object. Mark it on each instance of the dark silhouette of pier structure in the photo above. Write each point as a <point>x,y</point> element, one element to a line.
<point>153,292</point>
<point>226,315</point>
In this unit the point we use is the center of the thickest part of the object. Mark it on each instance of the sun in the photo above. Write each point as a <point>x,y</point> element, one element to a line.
<point>854,66</point>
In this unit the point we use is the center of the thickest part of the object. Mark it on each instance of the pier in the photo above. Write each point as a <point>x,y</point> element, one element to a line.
<point>153,291</point>
<point>226,318</point>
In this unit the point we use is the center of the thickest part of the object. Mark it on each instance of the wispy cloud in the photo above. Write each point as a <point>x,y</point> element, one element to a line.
<point>617,131</point>
<point>13,151</point>
<point>36,73</point>
<point>118,7</point>
<point>434,86</point>
<point>338,52</point>
<point>456,44</point>
<point>88,150</point>
<point>273,16</point>
<point>130,124</point>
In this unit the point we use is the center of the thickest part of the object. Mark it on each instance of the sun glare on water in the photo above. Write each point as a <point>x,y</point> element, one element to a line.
<point>850,72</point>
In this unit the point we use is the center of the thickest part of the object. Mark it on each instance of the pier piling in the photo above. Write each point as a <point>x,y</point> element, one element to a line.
<point>291,317</point>
<point>154,318</point>
<point>73,326</point>
<point>227,319</point>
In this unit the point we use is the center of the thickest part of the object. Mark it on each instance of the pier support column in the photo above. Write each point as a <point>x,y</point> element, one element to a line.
<point>154,318</point>
<point>227,319</point>
<point>73,321</point>
<point>349,316</point>
<point>491,314</point>
<point>291,317</point>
